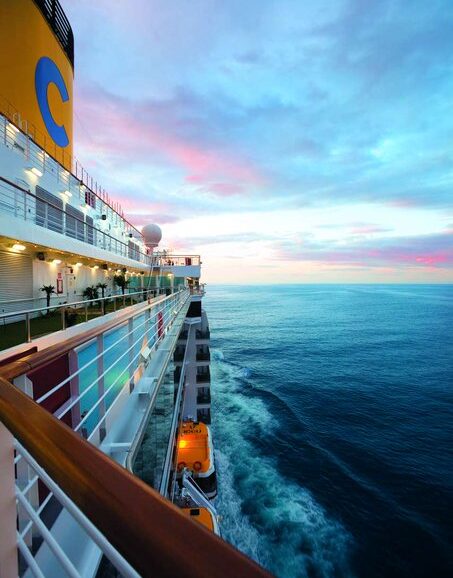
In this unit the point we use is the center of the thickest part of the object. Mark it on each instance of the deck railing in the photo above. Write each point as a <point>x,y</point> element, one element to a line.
<point>41,321</point>
<point>21,204</point>
<point>49,159</point>
<point>55,472</point>
<point>167,260</point>
<point>58,21</point>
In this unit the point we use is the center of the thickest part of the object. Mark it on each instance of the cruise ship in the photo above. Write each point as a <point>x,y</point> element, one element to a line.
<point>107,461</point>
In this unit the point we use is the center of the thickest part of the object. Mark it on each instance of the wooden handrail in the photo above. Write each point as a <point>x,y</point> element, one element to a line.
<point>150,532</point>
<point>49,354</point>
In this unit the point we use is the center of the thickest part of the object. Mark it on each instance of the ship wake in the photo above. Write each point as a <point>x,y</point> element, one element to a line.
<point>264,513</point>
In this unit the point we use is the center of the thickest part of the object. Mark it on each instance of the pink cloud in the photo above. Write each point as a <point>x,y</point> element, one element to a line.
<point>429,251</point>
<point>368,229</point>
<point>225,189</point>
<point>135,133</point>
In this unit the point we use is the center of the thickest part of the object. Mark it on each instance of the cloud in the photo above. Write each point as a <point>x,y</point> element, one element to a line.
<point>140,219</point>
<point>422,251</point>
<point>272,106</point>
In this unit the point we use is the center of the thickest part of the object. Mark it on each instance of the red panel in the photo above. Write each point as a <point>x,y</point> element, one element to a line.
<point>47,377</point>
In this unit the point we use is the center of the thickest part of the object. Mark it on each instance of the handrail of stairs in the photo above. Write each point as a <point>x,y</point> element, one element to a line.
<point>147,530</point>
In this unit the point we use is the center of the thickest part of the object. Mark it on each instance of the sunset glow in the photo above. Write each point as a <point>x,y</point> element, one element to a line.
<point>296,142</point>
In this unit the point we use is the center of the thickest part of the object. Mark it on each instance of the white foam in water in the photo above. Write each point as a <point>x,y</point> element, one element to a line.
<point>270,518</point>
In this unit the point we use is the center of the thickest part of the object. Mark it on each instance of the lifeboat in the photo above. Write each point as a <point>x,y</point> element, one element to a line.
<point>195,453</point>
<point>204,517</point>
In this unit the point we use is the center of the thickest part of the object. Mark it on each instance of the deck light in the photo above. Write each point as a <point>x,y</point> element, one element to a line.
<point>67,193</point>
<point>12,127</point>
<point>78,264</point>
<point>18,247</point>
<point>35,171</point>
<point>56,261</point>
<point>95,266</point>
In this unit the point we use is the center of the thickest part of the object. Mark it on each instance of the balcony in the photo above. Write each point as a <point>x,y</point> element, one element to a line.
<point>203,356</point>
<point>199,334</point>
<point>166,260</point>
<point>204,415</point>
<point>23,326</point>
<point>56,192</point>
<point>204,377</point>
<point>204,397</point>
<point>49,212</point>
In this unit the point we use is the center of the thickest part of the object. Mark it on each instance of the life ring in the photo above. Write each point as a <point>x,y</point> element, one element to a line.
<point>181,466</point>
<point>197,466</point>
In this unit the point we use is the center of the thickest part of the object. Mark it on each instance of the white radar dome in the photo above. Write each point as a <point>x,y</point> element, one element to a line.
<point>152,235</point>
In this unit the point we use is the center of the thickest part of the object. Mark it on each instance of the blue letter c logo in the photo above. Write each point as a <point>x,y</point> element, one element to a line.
<point>47,73</point>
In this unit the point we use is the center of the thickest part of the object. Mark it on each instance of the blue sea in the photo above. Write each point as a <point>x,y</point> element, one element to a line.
<point>333,425</point>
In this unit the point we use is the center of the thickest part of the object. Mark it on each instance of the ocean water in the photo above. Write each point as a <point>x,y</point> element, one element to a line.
<point>333,425</point>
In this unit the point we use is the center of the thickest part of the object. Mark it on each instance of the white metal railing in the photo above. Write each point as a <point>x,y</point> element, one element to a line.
<point>168,260</point>
<point>23,137</point>
<point>31,524</point>
<point>150,330</point>
<point>76,307</point>
<point>145,330</point>
<point>21,204</point>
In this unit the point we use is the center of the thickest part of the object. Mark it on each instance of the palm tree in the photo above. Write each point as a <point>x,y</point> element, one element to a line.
<point>48,289</point>
<point>121,281</point>
<point>91,293</point>
<point>102,287</point>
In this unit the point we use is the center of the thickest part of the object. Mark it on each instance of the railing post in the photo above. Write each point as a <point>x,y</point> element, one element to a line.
<point>74,385</point>
<point>63,318</point>
<point>101,387</point>
<point>28,328</point>
<point>8,543</point>
<point>24,473</point>
<point>86,311</point>
<point>130,327</point>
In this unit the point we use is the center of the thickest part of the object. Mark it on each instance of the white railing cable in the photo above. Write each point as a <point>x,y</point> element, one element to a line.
<point>104,545</point>
<point>61,556</point>
<point>75,303</point>
<point>60,414</point>
<point>46,500</point>
<point>95,358</point>
<point>104,395</point>
<point>28,556</point>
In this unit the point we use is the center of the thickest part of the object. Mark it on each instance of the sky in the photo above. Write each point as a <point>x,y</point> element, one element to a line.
<point>286,141</point>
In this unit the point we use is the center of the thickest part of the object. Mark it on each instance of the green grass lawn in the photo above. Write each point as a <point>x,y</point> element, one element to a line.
<point>14,333</point>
